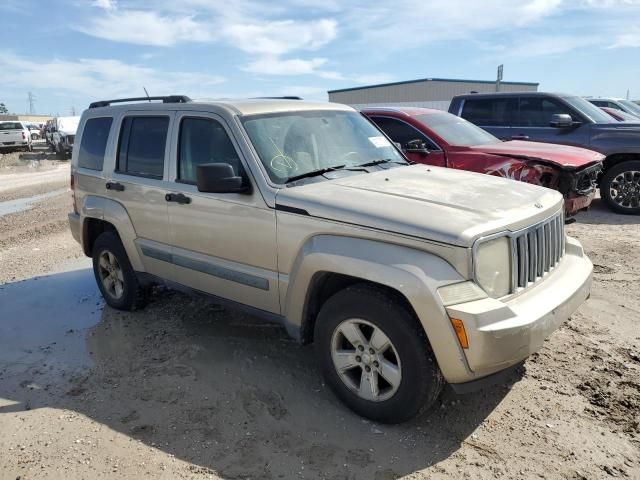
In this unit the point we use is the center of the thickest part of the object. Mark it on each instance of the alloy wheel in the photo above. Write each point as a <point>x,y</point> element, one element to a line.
<point>365,359</point>
<point>625,189</point>
<point>111,274</point>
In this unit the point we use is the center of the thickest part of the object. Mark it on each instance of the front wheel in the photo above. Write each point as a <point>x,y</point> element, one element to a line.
<point>375,356</point>
<point>620,188</point>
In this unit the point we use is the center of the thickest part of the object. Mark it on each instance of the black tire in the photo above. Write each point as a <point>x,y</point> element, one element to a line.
<point>133,294</point>
<point>608,179</point>
<point>421,380</point>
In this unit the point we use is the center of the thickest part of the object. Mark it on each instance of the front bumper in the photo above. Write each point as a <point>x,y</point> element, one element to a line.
<point>502,333</point>
<point>574,205</point>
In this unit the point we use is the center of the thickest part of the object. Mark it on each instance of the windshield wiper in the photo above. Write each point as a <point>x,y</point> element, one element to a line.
<point>314,173</point>
<point>373,163</point>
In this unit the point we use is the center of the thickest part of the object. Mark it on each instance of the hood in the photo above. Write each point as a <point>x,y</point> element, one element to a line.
<point>564,156</point>
<point>445,205</point>
<point>617,137</point>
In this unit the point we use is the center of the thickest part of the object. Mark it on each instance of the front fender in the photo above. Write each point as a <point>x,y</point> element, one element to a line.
<point>413,273</point>
<point>114,213</point>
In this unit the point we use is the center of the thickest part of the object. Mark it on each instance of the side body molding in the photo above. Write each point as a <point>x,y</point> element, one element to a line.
<point>414,273</point>
<point>114,213</point>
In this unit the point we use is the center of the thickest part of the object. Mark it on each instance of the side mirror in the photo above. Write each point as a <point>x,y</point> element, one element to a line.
<point>561,120</point>
<point>218,178</point>
<point>416,146</point>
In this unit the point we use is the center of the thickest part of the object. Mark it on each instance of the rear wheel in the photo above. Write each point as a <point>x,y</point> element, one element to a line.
<point>114,274</point>
<point>620,187</point>
<point>375,356</point>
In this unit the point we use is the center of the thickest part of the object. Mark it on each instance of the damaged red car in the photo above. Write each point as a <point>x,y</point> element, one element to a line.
<point>439,138</point>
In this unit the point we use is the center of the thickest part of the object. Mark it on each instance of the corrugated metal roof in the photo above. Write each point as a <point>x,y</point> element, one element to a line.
<point>453,80</point>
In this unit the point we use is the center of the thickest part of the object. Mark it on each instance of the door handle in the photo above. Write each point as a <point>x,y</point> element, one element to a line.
<point>178,198</point>
<point>520,137</point>
<point>118,187</point>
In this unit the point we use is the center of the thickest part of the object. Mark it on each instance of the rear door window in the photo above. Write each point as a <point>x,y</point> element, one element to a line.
<point>537,111</point>
<point>142,146</point>
<point>94,143</point>
<point>490,112</point>
<point>401,132</point>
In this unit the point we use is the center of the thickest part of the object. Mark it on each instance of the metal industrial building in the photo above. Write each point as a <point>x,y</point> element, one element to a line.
<point>425,92</point>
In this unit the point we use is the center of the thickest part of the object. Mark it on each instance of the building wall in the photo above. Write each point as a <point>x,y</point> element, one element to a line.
<point>26,118</point>
<point>436,104</point>
<point>420,91</point>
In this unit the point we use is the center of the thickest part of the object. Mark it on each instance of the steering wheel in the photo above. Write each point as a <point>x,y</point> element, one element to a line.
<point>283,164</point>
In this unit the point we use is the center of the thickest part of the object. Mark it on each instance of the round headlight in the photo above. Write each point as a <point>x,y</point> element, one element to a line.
<point>493,266</point>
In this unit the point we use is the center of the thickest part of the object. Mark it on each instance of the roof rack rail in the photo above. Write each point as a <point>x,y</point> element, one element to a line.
<point>285,97</point>
<point>165,99</point>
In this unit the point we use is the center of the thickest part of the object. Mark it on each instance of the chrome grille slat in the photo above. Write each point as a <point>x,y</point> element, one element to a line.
<point>537,250</point>
<point>552,244</point>
<point>541,249</point>
<point>532,240</point>
<point>547,253</point>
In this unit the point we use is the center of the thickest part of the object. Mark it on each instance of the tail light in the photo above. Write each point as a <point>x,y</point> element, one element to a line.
<point>73,194</point>
<point>24,137</point>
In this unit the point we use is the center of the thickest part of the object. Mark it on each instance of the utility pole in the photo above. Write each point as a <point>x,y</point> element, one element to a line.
<point>499,77</point>
<point>32,100</point>
<point>627,94</point>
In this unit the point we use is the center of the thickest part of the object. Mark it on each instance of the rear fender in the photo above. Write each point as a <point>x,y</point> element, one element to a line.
<point>114,213</point>
<point>413,273</point>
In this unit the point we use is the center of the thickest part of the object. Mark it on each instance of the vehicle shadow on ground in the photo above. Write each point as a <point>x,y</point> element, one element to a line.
<point>214,387</point>
<point>41,152</point>
<point>600,214</point>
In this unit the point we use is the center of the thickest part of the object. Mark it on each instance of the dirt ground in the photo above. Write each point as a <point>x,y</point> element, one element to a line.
<point>187,389</point>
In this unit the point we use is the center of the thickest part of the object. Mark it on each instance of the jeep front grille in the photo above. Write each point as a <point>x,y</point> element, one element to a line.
<point>536,251</point>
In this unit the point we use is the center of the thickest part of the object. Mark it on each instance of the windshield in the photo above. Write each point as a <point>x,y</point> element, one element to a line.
<point>631,107</point>
<point>457,131</point>
<point>291,144</point>
<point>588,109</point>
<point>10,126</point>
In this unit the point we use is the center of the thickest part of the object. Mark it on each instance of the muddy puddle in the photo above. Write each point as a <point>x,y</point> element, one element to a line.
<point>49,314</point>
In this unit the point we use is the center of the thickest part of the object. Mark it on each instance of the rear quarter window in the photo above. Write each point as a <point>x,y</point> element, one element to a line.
<point>11,126</point>
<point>490,112</point>
<point>94,143</point>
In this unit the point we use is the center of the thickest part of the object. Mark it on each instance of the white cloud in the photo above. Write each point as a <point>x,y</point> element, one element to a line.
<point>627,39</point>
<point>105,4</point>
<point>529,46</point>
<point>373,78</point>
<point>146,28</point>
<point>271,65</point>
<point>281,37</point>
<point>410,23</point>
<point>98,78</point>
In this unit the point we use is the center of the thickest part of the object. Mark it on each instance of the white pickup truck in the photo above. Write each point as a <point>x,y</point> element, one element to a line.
<point>13,134</point>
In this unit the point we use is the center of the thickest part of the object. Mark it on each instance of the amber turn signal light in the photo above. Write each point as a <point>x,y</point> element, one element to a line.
<point>458,326</point>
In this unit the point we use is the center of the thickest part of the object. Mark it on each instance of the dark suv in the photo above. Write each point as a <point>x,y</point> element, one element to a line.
<point>569,120</point>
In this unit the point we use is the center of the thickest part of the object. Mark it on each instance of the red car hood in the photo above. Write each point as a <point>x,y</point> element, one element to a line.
<point>561,155</point>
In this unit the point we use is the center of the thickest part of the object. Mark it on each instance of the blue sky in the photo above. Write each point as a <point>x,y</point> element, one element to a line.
<point>70,52</point>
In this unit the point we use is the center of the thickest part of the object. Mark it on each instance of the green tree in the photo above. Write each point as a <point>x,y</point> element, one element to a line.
<point>3,109</point>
